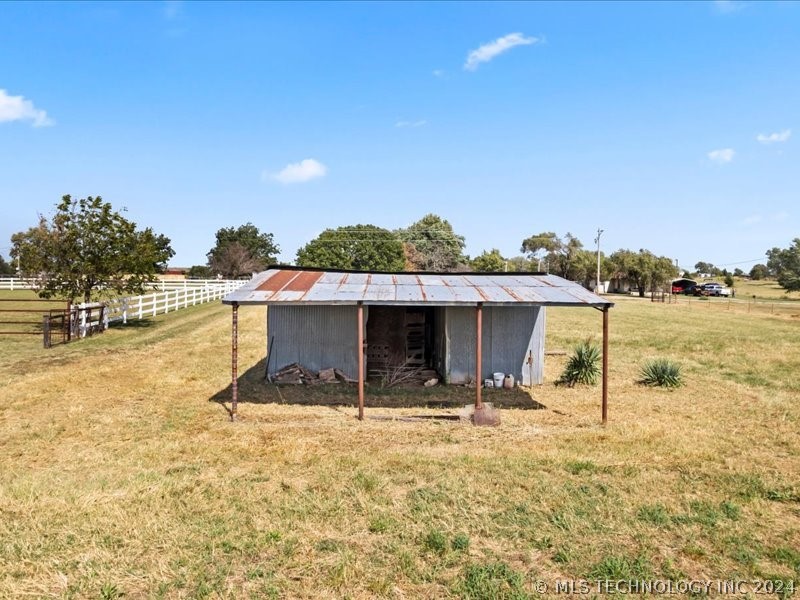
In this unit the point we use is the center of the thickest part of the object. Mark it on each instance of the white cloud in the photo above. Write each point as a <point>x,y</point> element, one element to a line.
<point>17,108</point>
<point>300,172</point>
<point>172,9</point>
<point>721,156</point>
<point>438,72</point>
<point>729,6</point>
<point>419,123</point>
<point>489,51</point>
<point>772,138</point>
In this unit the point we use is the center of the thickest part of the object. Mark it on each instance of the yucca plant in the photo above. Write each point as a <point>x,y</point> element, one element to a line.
<point>582,366</point>
<point>661,372</point>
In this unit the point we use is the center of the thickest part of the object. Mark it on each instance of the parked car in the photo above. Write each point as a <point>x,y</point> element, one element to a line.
<point>711,289</point>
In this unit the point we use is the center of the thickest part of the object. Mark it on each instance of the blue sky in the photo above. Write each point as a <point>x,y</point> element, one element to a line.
<point>673,126</point>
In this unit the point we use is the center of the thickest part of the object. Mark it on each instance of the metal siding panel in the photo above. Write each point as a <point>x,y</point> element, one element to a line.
<point>467,295</point>
<point>332,278</point>
<point>409,293</point>
<point>460,323</point>
<point>380,293</point>
<point>317,337</point>
<point>381,279</point>
<point>495,294</point>
<point>439,293</point>
<point>427,280</point>
<point>355,279</point>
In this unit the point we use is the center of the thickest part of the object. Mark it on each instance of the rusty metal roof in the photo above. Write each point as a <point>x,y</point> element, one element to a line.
<point>282,285</point>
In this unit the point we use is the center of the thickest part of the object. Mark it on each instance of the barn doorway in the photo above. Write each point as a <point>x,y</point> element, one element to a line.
<point>400,337</point>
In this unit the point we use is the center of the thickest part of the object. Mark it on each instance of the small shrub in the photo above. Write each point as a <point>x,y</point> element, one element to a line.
<point>661,372</point>
<point>460,542</point>
<point>435,541</point>
<point>583,366</point>
<point>655,514</point>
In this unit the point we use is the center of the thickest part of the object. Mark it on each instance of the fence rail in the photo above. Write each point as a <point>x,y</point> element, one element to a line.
<point>20,283</point>
<point>80,320</point>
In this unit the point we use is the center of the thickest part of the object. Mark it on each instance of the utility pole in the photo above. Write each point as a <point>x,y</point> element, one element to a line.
<point>597,241</point>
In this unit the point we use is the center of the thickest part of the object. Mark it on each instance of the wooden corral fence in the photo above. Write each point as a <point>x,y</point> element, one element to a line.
<point>33,316</point>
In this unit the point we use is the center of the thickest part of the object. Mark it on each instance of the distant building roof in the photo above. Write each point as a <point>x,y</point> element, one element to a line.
<point>294,285</point>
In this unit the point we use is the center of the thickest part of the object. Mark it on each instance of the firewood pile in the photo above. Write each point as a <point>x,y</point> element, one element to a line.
<point>297,374</point>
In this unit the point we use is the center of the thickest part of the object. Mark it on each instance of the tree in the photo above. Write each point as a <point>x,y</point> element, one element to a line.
<point>88,249</point>
<point>358,247</point>
<point>489,262</point>
<point>200,272</point>
<point>432,245</point>
<point>706,267</point>
<point>729,280</point>
<point>759,271</point>
<point>737,272</point>
<point>785,263</point>
<point>561,256</point>
<point>521,264</point>
<point>253,252</point>
<point>6,269</point>
<point>538,246</point>
<point>644,269</point>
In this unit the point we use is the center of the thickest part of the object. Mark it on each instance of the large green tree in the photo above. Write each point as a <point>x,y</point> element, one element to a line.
<point>561,256</point>
<point>759,271</point>
<point>489,262</point>
<point>358,247</point>
<point>785,263</point>
<point>431,244</point>
<point>241,250</point>
<point>88,250</point>
<point>644,269</point>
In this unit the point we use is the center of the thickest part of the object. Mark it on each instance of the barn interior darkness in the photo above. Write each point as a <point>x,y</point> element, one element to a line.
<point>399,336</point>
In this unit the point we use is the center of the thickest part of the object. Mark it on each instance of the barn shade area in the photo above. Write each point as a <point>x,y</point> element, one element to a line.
<point>465,326</point>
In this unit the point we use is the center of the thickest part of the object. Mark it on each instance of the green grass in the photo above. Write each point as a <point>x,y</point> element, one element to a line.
<point>121,476</point>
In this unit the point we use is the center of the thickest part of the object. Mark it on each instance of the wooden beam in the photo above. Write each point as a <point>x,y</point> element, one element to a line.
<point>360,361</point>
<point>478,355</point>
<point>234,359</point>
<point>605,365</point>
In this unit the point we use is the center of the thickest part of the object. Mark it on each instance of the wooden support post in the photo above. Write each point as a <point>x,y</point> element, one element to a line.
<point>234,360</point>
<point>478,356</point>
<point>360,361</point>
<point>605,365</point>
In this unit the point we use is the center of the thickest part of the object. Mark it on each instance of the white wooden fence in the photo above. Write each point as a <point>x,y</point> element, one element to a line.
<point>168,296</point>
<point>19,283</point>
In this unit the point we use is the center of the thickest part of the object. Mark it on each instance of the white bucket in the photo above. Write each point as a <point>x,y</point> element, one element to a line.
<point>498,379</point>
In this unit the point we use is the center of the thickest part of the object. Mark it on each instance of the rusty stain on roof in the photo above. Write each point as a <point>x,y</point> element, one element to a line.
<point>314,286</point>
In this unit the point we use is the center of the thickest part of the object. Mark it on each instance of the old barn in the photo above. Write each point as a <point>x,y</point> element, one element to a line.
<point>364,321</point>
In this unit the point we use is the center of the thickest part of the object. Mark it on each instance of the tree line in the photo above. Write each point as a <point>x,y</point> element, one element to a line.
<point>88,249</point>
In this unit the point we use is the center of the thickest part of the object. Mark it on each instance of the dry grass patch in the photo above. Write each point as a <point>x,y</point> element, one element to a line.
<point>120,475</point>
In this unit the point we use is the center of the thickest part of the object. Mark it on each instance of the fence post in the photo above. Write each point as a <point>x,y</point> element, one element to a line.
<point>82,309</point>
<point>46,330</point>
<point>125,311</point>
<point>155,296</point>
<point>140,307</point>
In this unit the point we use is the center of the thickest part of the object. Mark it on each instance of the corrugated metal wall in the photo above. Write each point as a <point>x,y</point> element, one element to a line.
<point>510,335</point>
<point>317,337</point>
<point>320,337</point>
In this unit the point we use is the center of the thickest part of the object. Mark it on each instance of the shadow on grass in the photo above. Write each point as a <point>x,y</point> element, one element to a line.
<point>253,388</point>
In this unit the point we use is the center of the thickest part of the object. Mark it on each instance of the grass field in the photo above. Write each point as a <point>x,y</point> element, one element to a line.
<point>765,289</point>
<point>120,476</point>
